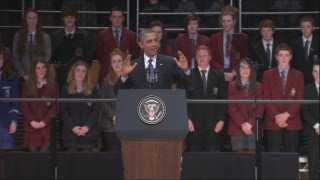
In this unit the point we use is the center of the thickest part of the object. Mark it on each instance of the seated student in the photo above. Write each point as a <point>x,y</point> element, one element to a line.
<point>282,122</point>
<point>266,46</point>
<point>228,46</point>
<point>310,113</point>
<point>186,6</point>
<point>165,47</point>
<point>37,115</point>
<point>110,142</point>
<point>188,41</point>
<point>80,131</point>
<point>29,43</point>
<point>306,48</point>
<point>242,123</point>
<point>69,44</point>
<point>205,120</point>
<point>9,111</point>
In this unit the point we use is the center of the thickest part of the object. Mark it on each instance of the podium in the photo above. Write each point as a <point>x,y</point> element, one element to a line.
<point>151,125</point>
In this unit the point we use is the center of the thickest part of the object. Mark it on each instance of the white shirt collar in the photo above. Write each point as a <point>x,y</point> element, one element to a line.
<point>304,39</point>
<point>146,60</point>
<point>317,84</point>
<point>265,43</point>
<point>72,32</point>
<point>206,74</point>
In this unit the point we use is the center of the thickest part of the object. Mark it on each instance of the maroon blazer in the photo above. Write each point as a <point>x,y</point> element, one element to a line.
<point>39,111</point>
<point>183,44</point>
<point>241,113</point>
<point>106,43</point>
<point>272,90</point>
<point>239,49</point>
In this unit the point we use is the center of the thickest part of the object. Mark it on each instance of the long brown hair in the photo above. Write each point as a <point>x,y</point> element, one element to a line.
<point>6,68</point>
<point>71,82</point>
<point>252,77</point>
<point>164,42</point>
<point>31,84</point>
<point>111,76</point>
<point>38,49</point>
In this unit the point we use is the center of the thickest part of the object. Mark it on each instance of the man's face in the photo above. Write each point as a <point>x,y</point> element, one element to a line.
<point>315,73</point>
<point>69,21</point>
<point>150,44</point>
<point>192,27</point>
<point>203,58</point>
<point>284,57</point>
<point>307,28</point>
<point>116,18</point>
<point>267,33</point>
<point>228,23</point>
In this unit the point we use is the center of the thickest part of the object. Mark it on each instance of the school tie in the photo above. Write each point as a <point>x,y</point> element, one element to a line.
<point>69,35</point>
<point>246,89</point>
<point>204,81</point>
<point>268,52</point>
<point>116,37</point>
<point>228,45</point>
<point>192,47</point>
<point>306,47</point>
<point>30,45</point>
<point>283,81</point>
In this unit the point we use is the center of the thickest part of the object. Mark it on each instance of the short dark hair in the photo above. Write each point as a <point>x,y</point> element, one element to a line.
<point>283,47</point>
<point>69,11</point>
<point>266,23</point>
<point>191,17</point>
<point>316,62</point>
<point>117,8</point>
<point>307,19</point>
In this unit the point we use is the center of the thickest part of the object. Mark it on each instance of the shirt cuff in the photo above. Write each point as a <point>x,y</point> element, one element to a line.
<point>123,79</point>
<point>316,126</point>
<point>187,72</point>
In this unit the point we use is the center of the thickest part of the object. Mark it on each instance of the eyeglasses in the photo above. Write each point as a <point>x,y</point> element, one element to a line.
<point>243,67</point>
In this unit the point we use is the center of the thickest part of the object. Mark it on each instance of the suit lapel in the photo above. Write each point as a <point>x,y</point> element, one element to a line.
<point>276,77</point>
<point>221,45</point>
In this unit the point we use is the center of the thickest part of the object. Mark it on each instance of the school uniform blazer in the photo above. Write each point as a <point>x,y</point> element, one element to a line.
<point>299,62</point>
<point>183,44</point>
<point>272,90</point>
<point>263,55</point>
<point>106,44</point>
<point>239,49</point>
<point>310,112</point>
<point>241,113</point>
<point>205,116</point>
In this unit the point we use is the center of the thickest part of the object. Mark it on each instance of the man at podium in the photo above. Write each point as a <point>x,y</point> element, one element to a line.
<point>152,70</point>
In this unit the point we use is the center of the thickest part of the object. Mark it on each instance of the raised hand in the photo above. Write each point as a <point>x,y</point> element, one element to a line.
<point>190,124</point>
<point>182,63</point>
<point>127,67</point>
<point>219,126</point>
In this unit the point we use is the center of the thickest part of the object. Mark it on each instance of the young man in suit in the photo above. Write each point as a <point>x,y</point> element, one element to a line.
<point>70,44</point>
<point>266,46</point>
<point>228,46</point>
<point>113,37</point>
<point>282,121</point>
<point>205,120</point>
<point>310,113</point>
<point>152,70</point>
<point>305,48</point>
<point>188,41</point>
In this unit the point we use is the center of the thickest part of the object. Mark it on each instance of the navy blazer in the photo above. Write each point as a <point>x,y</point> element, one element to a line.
<point>310,112</point>
<point>168,73</point>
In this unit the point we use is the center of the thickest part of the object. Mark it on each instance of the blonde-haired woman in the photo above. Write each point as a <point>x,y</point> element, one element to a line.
<point>110,142</point>
<point>37,115</point>
<point>79,118</point>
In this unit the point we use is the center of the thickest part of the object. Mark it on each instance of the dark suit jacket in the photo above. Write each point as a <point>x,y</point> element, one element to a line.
<point>241,113</point>
<point>299,62</point>
<point>168,73</point>
<point>272,90</point>
<point>239,49</point>
<point>259,48</point>
<point>183,44</point>
<point>106,44</point>
<point>310,112</point>
<point>205,116</point>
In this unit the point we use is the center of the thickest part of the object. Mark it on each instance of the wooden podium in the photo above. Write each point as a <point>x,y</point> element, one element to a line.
<point>151,150</point>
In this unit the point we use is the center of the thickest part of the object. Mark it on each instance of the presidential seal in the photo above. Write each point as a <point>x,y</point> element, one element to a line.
<point>151,109</point>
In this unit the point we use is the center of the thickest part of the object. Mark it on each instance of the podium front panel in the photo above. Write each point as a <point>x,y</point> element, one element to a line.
<point>129,125</point>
